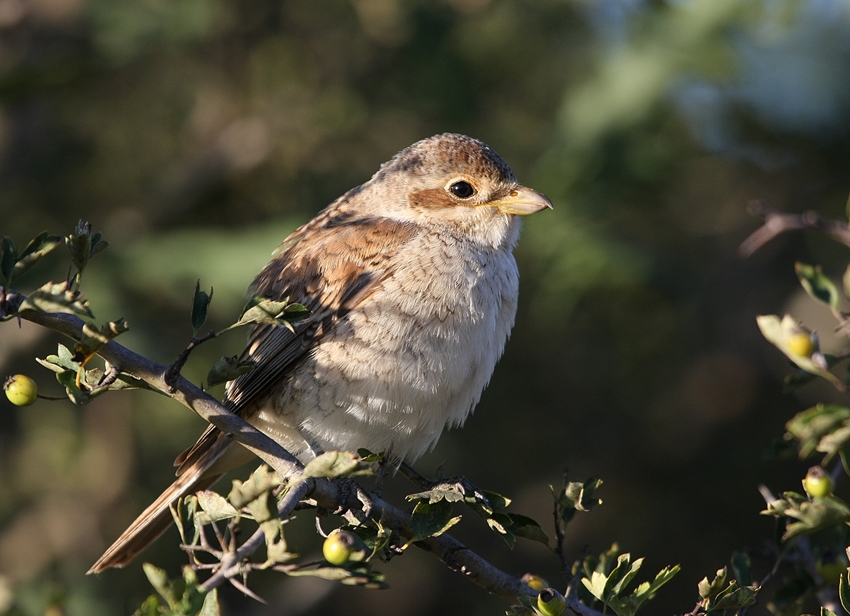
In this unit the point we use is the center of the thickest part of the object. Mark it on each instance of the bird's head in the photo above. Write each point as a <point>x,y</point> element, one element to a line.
<point>456,182</point>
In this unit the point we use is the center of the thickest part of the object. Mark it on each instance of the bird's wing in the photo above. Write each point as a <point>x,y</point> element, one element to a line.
<point>330,265</point>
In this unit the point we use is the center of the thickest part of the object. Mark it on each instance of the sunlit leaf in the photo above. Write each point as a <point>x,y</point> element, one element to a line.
<point>200,303</point>
<point>817,285</point>
<point>228,368</point>
<point>336,464</point>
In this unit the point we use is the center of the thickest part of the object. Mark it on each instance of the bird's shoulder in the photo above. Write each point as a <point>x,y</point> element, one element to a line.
<point>328,261</point>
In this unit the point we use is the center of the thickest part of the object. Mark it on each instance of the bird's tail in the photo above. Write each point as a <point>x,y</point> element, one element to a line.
<point>157,518</point>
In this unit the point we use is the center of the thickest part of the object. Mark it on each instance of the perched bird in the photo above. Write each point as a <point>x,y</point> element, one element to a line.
<point>412,289</point>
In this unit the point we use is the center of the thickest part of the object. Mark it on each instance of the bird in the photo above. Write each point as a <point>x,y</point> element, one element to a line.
<point>411,286</point>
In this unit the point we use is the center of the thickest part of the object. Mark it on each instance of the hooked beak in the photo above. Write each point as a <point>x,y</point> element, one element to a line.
<point>521,201</point>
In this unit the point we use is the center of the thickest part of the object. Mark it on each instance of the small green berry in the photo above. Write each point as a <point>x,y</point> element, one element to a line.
<point>817,483</point>
<point>21,390</point>
<point>550,602</point>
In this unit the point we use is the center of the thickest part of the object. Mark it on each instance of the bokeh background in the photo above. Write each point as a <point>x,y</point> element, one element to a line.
<point>195,134</point>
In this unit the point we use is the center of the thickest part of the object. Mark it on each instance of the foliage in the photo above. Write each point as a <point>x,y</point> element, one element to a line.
<point>197,134</point>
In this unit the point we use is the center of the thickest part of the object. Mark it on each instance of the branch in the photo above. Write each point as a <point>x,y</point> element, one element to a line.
<point>776,223</point>
<point>183,391</point>
<point>328,493</point>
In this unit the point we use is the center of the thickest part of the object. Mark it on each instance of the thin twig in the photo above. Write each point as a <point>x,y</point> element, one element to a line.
<point>776,223</point>
<point>175,368</point>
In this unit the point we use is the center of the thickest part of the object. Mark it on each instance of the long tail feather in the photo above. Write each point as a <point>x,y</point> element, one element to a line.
<point>221,457</point>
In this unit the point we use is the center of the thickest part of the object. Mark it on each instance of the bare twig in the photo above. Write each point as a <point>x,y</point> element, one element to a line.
<point>175,368</point>
<point>776,223</point>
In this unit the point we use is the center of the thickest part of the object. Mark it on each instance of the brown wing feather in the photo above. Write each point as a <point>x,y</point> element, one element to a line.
<point>343,262</point>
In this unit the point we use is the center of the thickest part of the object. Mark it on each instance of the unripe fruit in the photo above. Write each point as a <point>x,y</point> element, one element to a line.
<point>550,602</point>
<point>535,581</point>
<point>341,546</point>
<point>800,343</point>
<point>817,482</point>
<point>21,390</point>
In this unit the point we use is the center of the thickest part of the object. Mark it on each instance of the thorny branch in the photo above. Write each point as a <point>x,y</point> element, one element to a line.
<point>777,222</point>
<point>327,493</point>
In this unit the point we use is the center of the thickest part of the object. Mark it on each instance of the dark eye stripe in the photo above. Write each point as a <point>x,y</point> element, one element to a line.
<point>462,190</point>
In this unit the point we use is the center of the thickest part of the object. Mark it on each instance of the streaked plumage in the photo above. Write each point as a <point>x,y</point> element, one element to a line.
<point>412,289</point>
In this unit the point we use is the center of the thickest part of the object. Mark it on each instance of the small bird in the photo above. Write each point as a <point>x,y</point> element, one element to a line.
<point>412,287</point>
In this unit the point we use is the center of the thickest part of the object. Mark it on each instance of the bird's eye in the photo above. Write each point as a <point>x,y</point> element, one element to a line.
<point>462,190</point>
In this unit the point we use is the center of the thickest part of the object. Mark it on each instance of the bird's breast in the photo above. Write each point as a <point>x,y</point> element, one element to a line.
<point>415,356</point>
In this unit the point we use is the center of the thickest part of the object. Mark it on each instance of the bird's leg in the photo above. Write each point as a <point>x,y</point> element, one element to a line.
<point>385,465</point>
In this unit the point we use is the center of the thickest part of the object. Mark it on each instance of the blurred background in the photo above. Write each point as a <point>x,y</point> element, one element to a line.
<point>196,134</point>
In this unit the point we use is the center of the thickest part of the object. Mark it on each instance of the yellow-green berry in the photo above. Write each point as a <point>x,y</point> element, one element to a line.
<point>800,344</point>
<point>21,390</point>
<point>817,483</point>
<point>550,602</point>
<point>342,546</point>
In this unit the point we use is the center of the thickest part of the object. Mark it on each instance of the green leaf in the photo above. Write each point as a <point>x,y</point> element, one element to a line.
<point>263,508</point>
<point>576,496</point>
<point>733,598</point>
<point>778,332</point>
<point>93,339</point>
<point>68,380</point>
<point>261,481</point>
<point>149,607</point>
<point>368,456</point>
<point>376,539</point>
<point>214,506</point>
<point>811,515</point>
<point>336,464</point>
<point>228,368</point>
<point>431,520</point>
<point>158,578</point>
<point>41,245</point>
<point>817,285</point>
<point>451,492</point>
<point>55,297</point>
<point>8,257</point>
<point>276,547</point>
<point>743,568</point>
<point>83,244</point>
<point>63,360</point>
<point>359,575</point>
<point>513,524</point>
<point>497,501</point>
<point>186,517</point>
<point>709,589</point>
<point>264,311</point>
<point>211,606</point>
<point>814,425</point>
<point>608,587</point>
<point>844,590</point>
<point>200,303</point>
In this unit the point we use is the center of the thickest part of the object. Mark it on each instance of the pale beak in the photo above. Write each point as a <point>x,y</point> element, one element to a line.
<point>521,201</point>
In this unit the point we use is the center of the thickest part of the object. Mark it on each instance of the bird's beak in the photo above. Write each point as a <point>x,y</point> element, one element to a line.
<point>521,201</point>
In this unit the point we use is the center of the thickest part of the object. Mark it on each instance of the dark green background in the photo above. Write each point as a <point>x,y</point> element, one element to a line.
<point>195,134</point>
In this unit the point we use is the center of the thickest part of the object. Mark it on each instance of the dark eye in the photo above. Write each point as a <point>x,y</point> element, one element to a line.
<point>462,190</point>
